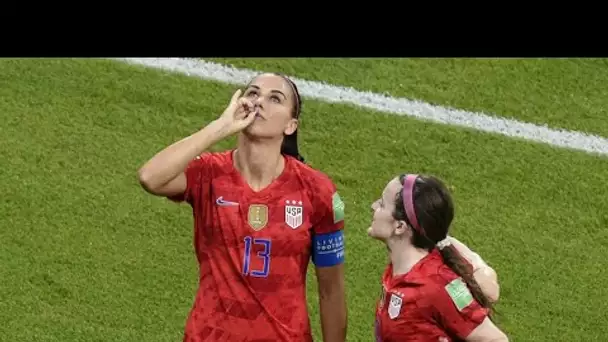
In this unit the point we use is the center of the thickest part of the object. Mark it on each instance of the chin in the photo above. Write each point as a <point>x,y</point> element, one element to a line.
<point>372,234</point>
<point>258,131</point>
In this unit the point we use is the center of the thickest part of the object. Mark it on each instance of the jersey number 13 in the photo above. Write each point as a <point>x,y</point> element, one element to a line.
<point>264,254</point>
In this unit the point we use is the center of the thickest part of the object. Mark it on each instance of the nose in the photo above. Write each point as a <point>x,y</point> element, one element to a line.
<point>258,101</point>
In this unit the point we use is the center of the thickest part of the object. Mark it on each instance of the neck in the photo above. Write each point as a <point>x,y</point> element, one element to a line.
<point>259,162</point>
<point>404,256</point>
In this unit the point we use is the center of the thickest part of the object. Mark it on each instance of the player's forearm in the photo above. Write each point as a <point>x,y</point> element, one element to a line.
<point>173,160</point>
<point>487,280</point>
<point>332,302</point>
<point>333,317</point>
<point>501,339</point>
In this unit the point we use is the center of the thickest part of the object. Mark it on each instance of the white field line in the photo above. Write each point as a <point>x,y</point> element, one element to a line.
<point>399,106</point>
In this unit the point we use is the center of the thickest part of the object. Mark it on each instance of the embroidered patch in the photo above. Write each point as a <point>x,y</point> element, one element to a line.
<point>257,216</point>
<point>338,207</point>
<point>394,306</point>
<point>460,294</point>
<point>294,213</point>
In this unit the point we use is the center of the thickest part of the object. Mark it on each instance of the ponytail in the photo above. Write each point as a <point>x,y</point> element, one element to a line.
<point>290,142</point>
<point>455,261</point>
<point>290,146</point>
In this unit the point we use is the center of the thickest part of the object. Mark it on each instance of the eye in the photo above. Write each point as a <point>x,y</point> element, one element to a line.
<point>275,98</point>
<point>251,93</point>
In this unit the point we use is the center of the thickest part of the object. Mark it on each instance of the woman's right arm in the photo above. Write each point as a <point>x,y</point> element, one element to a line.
<point>163,175</point>
<point>487,331</point>
<point>460,315</point>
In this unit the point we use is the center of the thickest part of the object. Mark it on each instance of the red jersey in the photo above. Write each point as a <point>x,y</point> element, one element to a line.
<point>254,249</point>
<point>429,303</point>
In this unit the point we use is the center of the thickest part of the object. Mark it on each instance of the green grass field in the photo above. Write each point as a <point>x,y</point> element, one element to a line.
<point>88,256</point>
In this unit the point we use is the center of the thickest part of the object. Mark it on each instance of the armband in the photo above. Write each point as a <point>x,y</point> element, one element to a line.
<point>328,249</point>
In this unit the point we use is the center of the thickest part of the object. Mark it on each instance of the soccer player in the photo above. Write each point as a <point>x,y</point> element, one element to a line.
<point>260,214</point>
<point>428,290</point>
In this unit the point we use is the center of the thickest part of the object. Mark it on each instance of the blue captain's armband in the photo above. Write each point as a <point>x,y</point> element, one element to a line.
<point>328,249</point>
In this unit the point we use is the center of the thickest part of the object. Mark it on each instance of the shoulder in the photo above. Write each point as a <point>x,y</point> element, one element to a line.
<point>439,277</point>
<point>220,158</point>
<point>433,276</point>
<point>448,287</point>
<point>315,180</point>
<point>328,207</point>
<point>211,160</point>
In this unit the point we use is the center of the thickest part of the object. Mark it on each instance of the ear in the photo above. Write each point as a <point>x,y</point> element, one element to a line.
<point>291,126</point>
<point>401,228</point>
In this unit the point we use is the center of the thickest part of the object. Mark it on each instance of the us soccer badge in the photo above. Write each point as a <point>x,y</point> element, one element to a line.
<point>394,307</point>
<point>257,216</point>
<point>294,213</point>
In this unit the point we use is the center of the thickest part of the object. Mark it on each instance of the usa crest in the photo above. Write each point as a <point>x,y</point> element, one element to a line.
<point>394,307</point>
<point>294,213</point>
<point>257,216</point>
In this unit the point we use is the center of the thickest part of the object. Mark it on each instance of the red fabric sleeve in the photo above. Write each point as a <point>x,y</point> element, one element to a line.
<point>328,206</point>
<point>196,171</point>
<point>456,310</point>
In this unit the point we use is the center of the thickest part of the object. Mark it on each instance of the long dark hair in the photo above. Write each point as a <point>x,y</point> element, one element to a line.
<point>290,142</point>
<point>426,205</point>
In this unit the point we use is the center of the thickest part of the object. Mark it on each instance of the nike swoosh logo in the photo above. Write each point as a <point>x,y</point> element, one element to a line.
<point>221,202</point>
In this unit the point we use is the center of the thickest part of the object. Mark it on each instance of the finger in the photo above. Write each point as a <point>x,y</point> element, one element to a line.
<point>235,96</point>
<point>240,108</point>
<point>246,121</point>
<point>252,115</point>
<point>234,100</point>
<point>240,115</point>
<point>246,104</point>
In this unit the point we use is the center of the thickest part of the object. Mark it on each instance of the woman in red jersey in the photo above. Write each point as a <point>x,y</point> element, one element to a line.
<point>260,214</point>
<point>429,292</point>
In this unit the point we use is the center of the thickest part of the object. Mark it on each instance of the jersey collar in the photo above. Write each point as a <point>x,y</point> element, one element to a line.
<point>418,275</point>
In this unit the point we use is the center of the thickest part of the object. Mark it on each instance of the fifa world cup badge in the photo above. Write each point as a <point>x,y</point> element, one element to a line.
<point>257,216</point>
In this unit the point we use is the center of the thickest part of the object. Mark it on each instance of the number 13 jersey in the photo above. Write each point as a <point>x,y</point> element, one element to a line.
<point>253,249</point>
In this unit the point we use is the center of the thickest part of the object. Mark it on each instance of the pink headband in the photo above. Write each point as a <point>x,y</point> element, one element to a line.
<point>408,202</point>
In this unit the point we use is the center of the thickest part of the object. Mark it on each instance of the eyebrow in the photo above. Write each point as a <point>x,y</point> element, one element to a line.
<point>272,91</point>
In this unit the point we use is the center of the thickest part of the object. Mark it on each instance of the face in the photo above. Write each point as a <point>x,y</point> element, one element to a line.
<point>384,226</point>
<point>274,99</point>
